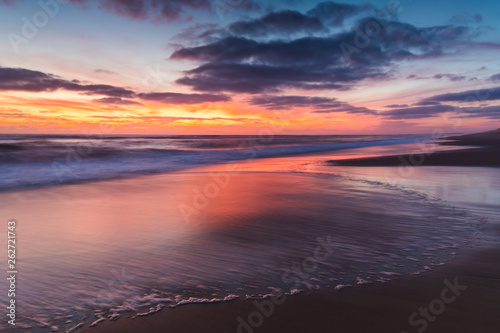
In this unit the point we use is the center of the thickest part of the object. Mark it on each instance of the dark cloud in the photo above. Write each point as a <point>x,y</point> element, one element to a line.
<point>116,100</point>
<point>178,98</point>
<point>431,106</point>
<point>489,94</point>
<point>396,106</point>
<point>451,77</point>
<point>427,103</point>
<point>240,64</point>
<point>248,78</point>
<point>491,112</point>
<point>286,102</point>
<point>101,89</point>
<point>348,108</point>
<point>28,80</point>
<point>418,112</point>
<point>335,14</point>
<point>286,21</point>
<point>406,39</point>
<point>21,79</point>
<point>318,104</point>
<point>495,78</point>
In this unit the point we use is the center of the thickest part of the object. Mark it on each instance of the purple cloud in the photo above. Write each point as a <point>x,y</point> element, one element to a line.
<point>178,98</point>
<point>244,65</point>
<point>317,104</point>
<point>21,79</point>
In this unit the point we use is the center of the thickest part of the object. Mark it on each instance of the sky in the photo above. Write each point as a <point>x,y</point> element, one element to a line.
<point>243,66</point>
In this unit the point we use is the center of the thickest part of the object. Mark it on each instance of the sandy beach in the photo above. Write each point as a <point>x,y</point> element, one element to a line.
<point>370,308</point>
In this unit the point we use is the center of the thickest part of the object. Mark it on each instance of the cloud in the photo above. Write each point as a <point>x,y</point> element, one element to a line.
<point>105,71</point>
<point>491,112</point>
<point>247,78</point>
<point>239,64</point>
<point>245,65</point>
<point>452,77</point>
<point>418,112</point>
<point>396,106</point>
<point>336,13</point>
<point>286,21</point>
<point>427,103</point>
<point>488,94</point>
<point>404,38</point>
<point>277,22</point>
<point>178,98</point>
<point>116,100</point>
<point>167,10</point>
<point>21,79</point>
<point>318,104</point>
<point>101,89</point>
<point>431,106</point>
<point>495,78</point>
<point>199,32</point>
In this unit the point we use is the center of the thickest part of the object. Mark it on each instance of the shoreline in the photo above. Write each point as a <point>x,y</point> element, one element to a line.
<point>378,307</point>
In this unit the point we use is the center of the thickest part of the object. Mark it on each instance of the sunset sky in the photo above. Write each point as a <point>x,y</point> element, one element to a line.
<point>240,66</point>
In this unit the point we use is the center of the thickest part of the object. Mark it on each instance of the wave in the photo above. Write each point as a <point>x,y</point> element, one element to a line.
<point>35,162</point>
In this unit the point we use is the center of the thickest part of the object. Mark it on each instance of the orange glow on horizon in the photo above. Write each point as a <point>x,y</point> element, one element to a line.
<point>73,113</point>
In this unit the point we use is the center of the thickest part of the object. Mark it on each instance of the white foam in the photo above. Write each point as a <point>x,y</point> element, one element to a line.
<point>342,286</point>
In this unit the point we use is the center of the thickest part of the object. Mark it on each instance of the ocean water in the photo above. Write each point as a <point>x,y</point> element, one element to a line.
<point>161,229</point>
<point>41,160</point>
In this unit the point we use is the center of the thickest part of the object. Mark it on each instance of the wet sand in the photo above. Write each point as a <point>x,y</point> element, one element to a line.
<point>370,308</point>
